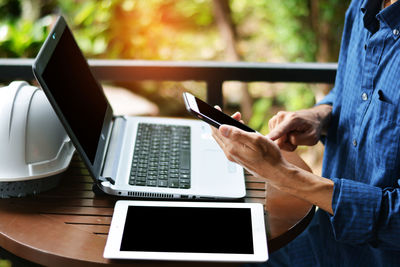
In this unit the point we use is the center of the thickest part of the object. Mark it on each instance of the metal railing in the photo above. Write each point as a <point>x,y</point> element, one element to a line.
<point>213,73</point>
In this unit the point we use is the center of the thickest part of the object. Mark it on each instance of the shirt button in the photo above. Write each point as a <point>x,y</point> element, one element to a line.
<point>396,32</point>
<point>364,96</point>
<point>365,47</point>
<point>354,143</point>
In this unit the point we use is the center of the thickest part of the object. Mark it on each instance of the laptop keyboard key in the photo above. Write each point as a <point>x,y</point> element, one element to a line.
<point>184,186</point>
<point>185,160</point>
<point>184,176</point>
<point>141,178</point>
<point>173,183</point>
<point>141,183</point>
<point>161,156</point>
<point>162,183</point>
<point>151,183</point>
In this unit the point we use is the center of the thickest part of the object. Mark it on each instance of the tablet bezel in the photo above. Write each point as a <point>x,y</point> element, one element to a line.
<point>112,249</point>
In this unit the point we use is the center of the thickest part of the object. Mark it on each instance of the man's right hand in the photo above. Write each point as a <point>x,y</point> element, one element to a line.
<point>303,127</point>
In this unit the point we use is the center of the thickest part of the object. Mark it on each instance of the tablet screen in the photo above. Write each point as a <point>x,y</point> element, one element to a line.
<point>188,229</point>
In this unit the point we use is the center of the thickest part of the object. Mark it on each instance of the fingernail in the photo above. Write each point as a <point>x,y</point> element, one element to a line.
<point>271,136</point>
<point>225,131</point>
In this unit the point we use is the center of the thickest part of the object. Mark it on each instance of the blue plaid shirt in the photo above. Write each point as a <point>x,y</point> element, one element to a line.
<point>362,150</point>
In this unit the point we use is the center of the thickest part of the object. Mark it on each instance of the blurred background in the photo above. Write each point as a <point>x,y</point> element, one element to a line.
<point>197,30</point>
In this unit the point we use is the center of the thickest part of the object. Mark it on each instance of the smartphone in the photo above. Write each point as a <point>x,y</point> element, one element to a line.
<point>209,114</point>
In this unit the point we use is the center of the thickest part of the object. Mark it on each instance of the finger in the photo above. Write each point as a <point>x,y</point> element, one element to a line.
<point>238,152</point>
<point>276,120</point>
<point>299,138</point>
<point>272,123</point>
<point>217,136</point>
<point>285,144</point>
<point>234,135</point>
<point>281,129</point>
<point>242,138</point>
<point>217,107</point>
<point>213,130</point>
<point>237,116</point>
<point>225,130</point>
<point>225,137</point>
<point>228,142</point>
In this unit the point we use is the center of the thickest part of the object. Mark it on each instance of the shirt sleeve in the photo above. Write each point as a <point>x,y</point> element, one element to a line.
<point>366,214</point>
<point>328,99</point>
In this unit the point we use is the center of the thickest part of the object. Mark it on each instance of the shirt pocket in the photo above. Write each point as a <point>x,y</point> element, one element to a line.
<point>386,134</point>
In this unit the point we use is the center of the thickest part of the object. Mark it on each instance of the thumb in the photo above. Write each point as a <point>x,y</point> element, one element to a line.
<point>225,130</point>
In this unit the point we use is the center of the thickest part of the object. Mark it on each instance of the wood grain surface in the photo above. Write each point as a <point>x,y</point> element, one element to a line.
<point>68,226</point>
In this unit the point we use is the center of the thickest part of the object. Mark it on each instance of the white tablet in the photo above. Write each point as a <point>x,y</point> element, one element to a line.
<point>187,231</point>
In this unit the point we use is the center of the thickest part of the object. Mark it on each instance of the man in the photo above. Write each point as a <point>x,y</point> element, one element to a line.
<point>358,223</point>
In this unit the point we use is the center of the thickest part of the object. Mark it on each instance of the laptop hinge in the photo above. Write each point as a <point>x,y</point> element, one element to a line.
<point>113,150</point>
<point>106,179</point>
<point>97,186</point>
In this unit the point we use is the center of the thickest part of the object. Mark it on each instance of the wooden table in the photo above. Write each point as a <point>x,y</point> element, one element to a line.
<point>68,226</point>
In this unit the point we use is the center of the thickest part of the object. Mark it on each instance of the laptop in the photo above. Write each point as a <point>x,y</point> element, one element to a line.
<point>144,157</point>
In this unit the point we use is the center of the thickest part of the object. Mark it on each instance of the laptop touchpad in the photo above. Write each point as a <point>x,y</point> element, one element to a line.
<point>212,159</point>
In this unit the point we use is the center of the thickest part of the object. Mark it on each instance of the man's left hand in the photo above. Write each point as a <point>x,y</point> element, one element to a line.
<point>257,153</point>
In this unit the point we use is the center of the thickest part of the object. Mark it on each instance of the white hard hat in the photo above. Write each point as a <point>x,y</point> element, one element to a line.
<point>33,142</point>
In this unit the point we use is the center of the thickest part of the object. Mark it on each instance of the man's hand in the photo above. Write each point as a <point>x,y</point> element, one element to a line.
<point>258,154</point>
<point>303,127</point>
<point>262,158</point>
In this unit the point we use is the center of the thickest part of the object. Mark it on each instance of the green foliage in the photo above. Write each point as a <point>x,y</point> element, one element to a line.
<point>280,26</point>
<point>186,30</point>
<point>295,97</point>
<point>261,115</point>
<point>22,38</point>
<point>181,30</point>
<point>5,263</point>
<point>152,29</point>
<point>90,21</point>
<point>267,31</point>
<point>292,97</point>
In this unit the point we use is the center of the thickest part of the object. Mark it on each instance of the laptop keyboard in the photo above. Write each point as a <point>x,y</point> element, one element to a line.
<point>162,156</point>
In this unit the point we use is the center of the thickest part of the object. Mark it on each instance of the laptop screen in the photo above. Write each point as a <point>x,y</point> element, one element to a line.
<point>76,92</point>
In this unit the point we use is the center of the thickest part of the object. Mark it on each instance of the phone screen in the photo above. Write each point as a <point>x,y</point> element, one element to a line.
<point>213,116</point>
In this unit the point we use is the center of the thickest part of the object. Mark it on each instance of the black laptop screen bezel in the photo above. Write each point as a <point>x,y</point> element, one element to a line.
<point>39,66</point>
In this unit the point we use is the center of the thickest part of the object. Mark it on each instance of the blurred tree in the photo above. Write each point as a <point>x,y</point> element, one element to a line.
<point>247,30</point>
<point>23,27</point>
<point>228,32</point>
<point>290,30</point>
<point>9,8</point>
